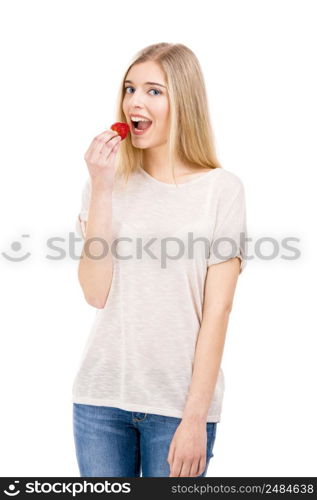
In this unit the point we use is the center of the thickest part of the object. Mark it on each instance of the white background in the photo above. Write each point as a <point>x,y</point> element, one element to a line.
<point>61,64</point>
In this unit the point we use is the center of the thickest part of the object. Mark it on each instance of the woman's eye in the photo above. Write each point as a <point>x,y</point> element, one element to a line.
<point>155,90</point>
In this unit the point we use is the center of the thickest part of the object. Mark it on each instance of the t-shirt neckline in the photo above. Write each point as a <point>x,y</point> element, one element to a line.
<point>180,184</point>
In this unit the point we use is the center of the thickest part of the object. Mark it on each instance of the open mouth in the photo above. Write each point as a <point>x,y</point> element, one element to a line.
<point>141,125</point>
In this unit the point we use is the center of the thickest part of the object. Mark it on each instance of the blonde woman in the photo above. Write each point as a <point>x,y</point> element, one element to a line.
<point>164,227</point>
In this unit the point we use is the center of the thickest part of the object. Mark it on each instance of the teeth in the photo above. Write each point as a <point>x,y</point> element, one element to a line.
<point>139,119</point>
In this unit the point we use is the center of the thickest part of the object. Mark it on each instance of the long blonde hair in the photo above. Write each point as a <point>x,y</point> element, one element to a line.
<point>190,135</point>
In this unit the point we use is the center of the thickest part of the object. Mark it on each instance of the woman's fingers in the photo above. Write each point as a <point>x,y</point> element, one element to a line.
<point>103,147</point>
<point>99,141</point>
<point>202,464</point>
<point>187,468</point>
<point>114,151</point>
<point>176,467</point>
<point>196,468</point>
<point>100,158</point>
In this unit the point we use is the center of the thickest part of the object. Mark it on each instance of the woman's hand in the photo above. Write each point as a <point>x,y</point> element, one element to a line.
<point>100,158</point>
<point>187,452</point>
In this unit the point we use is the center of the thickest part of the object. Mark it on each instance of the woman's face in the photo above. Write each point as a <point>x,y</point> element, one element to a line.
<point>149,100</point>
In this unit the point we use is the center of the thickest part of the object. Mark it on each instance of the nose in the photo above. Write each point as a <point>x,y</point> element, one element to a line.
<point>136,99</point>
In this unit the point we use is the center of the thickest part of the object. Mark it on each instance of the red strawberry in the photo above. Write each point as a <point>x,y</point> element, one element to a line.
<point>121,128</point>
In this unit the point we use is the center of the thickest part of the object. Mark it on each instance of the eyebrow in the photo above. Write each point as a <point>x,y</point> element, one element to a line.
<point>147,83</point>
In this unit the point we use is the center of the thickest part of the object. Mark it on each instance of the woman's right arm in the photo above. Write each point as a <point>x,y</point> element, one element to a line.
<point>96,263</point>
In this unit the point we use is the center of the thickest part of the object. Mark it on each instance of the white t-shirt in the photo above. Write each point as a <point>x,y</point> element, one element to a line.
<point>140,351</point>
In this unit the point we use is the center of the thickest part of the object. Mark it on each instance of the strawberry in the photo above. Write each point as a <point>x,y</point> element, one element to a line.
<point>121,128</point>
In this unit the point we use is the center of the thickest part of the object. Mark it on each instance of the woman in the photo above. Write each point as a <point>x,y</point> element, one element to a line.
<point>164,227</point>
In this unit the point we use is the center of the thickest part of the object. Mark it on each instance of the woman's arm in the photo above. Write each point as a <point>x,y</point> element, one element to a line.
<point>220,287</point>
<point>187,453</point>
<point>96,264</point>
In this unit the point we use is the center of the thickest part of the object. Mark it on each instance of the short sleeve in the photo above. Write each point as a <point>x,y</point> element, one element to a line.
<point>83,214</point>
<point>229,238</point>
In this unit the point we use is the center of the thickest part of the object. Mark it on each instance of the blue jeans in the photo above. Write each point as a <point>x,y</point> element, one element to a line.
<point>111,442</point>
